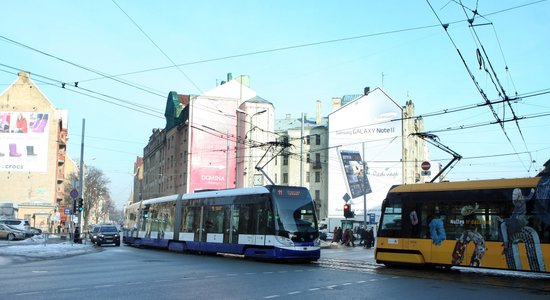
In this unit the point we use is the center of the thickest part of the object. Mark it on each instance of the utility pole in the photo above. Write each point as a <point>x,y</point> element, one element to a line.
<point>302,152</point>
<point>81,176</point>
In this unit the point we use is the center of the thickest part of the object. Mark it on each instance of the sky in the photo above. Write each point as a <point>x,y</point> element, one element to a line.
<point>128,55</point>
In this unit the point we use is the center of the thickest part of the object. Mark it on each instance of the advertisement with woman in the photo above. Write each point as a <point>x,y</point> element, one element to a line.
<point>365,153</point>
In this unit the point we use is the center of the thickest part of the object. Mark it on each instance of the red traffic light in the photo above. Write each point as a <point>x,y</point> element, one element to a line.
<point>347,211</point>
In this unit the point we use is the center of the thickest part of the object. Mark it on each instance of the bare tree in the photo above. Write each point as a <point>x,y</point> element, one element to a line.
<point>97,199</point>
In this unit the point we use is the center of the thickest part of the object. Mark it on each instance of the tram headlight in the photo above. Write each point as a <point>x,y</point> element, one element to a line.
<point>317,242</point>
<point>284,241</point>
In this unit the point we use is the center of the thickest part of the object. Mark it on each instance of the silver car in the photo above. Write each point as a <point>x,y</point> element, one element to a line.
<point>11,233</point>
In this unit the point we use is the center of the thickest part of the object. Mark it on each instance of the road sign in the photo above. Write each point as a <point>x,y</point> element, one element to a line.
<point>425,166</point>
<point>74,193</point>
<point>67,211</point>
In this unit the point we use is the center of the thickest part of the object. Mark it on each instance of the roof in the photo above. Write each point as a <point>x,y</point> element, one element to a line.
<point>296,123</point>
<point>466,185</point>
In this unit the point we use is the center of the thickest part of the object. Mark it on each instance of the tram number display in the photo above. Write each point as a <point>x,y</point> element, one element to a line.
<point>289,192</point>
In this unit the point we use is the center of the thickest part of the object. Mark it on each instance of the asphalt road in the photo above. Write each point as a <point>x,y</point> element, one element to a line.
<point>131,273</point>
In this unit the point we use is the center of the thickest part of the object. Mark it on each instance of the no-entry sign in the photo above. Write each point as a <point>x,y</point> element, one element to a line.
<point>425,166</point>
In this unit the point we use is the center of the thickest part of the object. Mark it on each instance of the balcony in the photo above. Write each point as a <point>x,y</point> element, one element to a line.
<point>316,165</point>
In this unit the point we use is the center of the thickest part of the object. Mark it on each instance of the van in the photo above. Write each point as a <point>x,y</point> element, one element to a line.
<point>19,224</point>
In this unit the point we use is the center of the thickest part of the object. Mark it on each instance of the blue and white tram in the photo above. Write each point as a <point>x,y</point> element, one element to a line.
<point>271,222</point>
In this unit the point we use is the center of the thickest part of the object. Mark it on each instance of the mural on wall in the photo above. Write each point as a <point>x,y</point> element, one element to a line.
<point>23,141</point>
<point>365,142</point>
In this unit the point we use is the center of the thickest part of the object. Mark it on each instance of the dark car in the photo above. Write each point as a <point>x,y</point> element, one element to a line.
<point>105,234</point>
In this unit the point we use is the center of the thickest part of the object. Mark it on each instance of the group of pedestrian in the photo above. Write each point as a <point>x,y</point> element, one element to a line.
<point>367,237</point>
<point>347,237</point>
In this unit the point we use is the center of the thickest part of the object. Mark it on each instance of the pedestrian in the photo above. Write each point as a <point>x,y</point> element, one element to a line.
<point>59,228</point>
<point>363,235</point>
<point>339,234</point>
<point>351,238</point>
<point>335,235</point>
<point>370,238</point>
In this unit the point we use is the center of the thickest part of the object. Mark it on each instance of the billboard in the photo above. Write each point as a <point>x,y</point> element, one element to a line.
<point>211,164</point>
<point>24,141</point>
<point>365,152</point>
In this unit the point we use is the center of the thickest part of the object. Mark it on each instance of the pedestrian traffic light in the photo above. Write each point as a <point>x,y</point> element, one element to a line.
<point>146,212</point>
<point>80,204</point>
<point>347,211</point>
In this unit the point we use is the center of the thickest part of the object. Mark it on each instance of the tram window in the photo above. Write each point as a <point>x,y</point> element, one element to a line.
<point>214,218</point>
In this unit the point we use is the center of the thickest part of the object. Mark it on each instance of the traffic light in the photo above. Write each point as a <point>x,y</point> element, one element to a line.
<point>74,206</point>
<point>80,204</point>
<point>347,211</point>
<point>146,212</point>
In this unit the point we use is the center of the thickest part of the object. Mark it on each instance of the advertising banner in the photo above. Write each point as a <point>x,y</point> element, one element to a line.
<point>365,151</point>
<point>212,165</point>
<point>24,141</point>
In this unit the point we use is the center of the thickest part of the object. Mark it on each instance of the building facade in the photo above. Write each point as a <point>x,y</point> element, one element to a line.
<point>305,161</point>
<point>210,141</point>
<point>33,153</point>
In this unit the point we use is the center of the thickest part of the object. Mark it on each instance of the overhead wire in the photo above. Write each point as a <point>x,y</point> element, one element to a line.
<point>157,46</point>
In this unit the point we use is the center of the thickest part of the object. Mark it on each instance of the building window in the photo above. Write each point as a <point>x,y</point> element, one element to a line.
<point>317,158</point>
<point>307,176</point>
<point>308,158</point>
<point>275,178</point>
<point>317,176</point>
<point>317,139</point>
<point>285,177</point>
<point>285,160</point>
<point>308,140</point>
<point>317,195</point>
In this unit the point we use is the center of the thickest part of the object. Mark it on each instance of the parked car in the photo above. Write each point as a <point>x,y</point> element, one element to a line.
<point>22,225</point>
<point>105,234</point>
<point>11,233</point>
<point>35,231</point>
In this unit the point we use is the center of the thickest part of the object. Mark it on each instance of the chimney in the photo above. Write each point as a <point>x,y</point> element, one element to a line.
<point>318,115</point>
<point>288,116</point>
<point>336,103</point>
<point>25,76</point>
<point>229,77</point>
<point>367,90</point>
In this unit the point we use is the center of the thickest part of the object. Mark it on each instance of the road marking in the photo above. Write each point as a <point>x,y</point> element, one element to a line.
<point>374,279</point>
<point>212,276</point>
<point>314,289</point>
<point>361,281</point>
<point>272,296</point>
<point>69,289</point>
<point>233,274</point>
<point>133,283</point>
<point>330,287</point>
<point>347,283</point>
<point>268,272</point>
<point>104,286</point>
<point>294,293</point>
<point>28,293</point>
<point>40,271</point>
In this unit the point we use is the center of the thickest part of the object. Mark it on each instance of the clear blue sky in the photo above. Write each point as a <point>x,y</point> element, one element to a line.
<point>325,49</point>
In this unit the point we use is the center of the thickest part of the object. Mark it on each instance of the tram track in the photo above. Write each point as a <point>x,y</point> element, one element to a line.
<point>534,282</point>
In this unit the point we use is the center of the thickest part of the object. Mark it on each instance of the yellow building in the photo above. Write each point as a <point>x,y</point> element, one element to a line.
<point>33,142</point>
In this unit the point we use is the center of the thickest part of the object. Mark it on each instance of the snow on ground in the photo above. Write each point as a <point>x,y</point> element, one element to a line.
<point>39,247</point>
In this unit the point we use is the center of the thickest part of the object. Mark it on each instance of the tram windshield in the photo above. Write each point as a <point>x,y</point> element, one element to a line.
<point>295,214</point>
